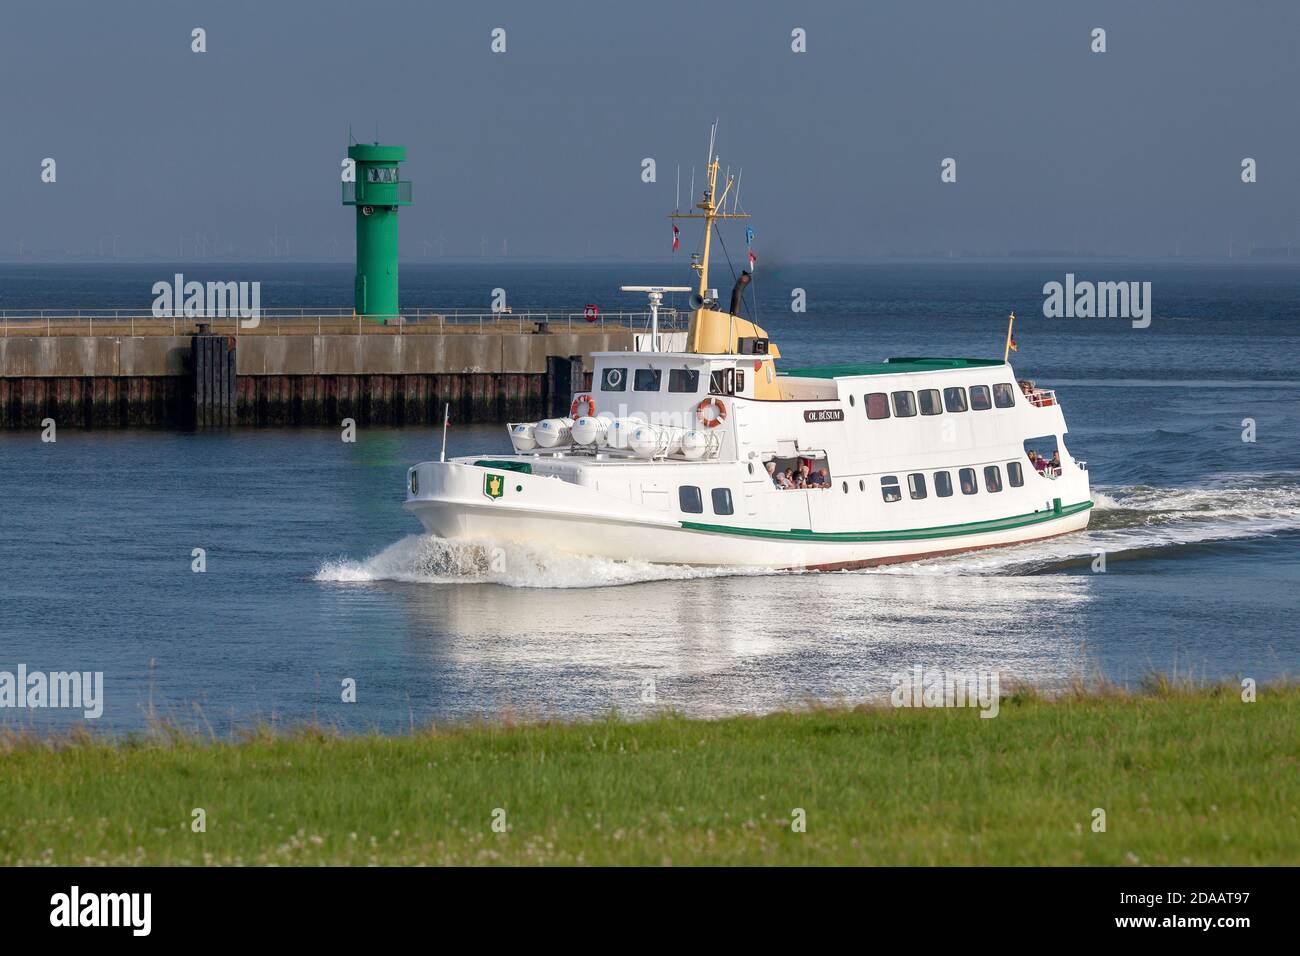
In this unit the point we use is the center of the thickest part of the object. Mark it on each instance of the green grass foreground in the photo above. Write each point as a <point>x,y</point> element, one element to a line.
<point>1184,777</point>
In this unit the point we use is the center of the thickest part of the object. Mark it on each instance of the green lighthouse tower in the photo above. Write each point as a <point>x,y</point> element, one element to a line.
<point>377,193</point>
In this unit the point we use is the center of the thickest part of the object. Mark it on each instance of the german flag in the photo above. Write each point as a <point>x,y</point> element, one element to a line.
<point>1012,343</point>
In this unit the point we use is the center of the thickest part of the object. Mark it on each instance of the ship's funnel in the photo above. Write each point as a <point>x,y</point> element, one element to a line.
<point>739,291</point>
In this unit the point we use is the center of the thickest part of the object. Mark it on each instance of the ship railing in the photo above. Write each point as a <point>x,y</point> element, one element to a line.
<point>327,321</point>
<point>1041,397</point>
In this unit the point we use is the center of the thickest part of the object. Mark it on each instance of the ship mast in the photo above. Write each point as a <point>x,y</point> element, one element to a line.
<point>712,208</point>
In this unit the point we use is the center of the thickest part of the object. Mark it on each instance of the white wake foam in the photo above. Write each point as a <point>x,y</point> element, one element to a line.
<point>425,559</point>
<point>1143,518</point>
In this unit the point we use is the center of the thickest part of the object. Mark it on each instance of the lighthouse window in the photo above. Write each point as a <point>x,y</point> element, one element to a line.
<point>877,405</point>
<point>943,484</point>
<point>993,478</point>
<point>647,379</point>
<point>1004,396</point>
<point>1015,476</point>
<point>722,502</point>
<point>928,399</point>
<point>954,399</point>
<point>688,496</point>
<point>916,485</point>
<point>904,404</point>
<point>967,478</point>
<point>889,489</point>
<point>683,380</point>
<point>613,380</point>
<point>979,398</point>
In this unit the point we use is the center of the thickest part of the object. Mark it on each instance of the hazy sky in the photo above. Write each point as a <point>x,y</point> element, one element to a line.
<point>1135,151</point>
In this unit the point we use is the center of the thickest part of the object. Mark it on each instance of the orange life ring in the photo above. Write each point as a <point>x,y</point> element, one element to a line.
<point>718,419</point>
<point>584,399</point>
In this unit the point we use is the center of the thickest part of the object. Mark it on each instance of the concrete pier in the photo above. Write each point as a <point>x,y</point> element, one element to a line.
<point>286,380</point>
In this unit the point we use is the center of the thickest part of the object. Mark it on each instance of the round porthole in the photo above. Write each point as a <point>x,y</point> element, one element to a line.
<point>751,467</point>
<point>519,487</point>
<point>862,486</point>
<point>845,485</point>
<point>851,402</point>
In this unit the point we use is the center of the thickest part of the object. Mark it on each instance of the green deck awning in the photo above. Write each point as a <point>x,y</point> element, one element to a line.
<point>891,366</point>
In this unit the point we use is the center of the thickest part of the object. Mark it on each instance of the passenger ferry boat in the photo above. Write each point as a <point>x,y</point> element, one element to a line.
<point>680,456</point>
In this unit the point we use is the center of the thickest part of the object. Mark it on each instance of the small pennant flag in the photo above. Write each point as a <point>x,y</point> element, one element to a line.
<point>749,235</point>
<point>753,260</point>
<point>1013,344</point>
<point>675,232</point>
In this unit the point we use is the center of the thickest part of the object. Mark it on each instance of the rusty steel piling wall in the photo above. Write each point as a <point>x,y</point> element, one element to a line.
<point>215,381</point>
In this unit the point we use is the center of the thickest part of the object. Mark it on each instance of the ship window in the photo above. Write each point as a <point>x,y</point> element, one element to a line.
<point>721,502</point>
<point>889,489</point>
<point>1015,476</point>
<point>1004,396</point>
<point>904,404</point>
<point>852,401</point>
<point>993,478</point>
<point>862,485</point>
<point>647,379</point>
<point>877,405</point>
<point>979,398</point>
<point>928,399</point>
<point>943,484</point>
<point>740,380</point>
<point>954,399</point>
<point>967,478</point>
<point>688,496</point>
<point>916,485</point>
<point>683,380</point>
<point>613,380</point>
<point>722,381</point>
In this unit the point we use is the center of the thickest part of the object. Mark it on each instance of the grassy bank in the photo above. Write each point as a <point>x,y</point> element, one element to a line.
<point>1194,777</point>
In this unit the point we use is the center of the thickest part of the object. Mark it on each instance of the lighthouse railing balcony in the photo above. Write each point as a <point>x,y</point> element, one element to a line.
<point>377,194</point>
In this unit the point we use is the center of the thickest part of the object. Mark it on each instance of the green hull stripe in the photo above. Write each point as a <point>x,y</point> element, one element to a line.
<point>915,534</point>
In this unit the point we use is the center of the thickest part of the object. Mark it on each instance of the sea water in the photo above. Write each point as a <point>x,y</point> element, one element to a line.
<point>315,576</point>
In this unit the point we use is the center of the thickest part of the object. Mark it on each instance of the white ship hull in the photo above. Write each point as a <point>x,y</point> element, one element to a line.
<point>567,517</point>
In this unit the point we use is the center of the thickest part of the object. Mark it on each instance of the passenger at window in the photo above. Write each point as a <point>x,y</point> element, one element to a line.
<point>967,481</point>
